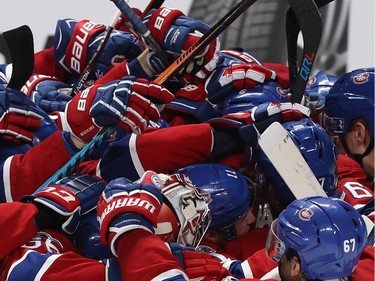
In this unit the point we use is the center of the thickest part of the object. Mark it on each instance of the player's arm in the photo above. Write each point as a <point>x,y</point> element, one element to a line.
<point>128,229</point>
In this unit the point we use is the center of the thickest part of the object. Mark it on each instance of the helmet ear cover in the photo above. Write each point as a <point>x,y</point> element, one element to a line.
<point>350,98</point>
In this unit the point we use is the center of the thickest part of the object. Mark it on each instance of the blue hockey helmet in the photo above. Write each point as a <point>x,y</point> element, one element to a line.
<point>318,150</point>
<point>246,99</point>
<point>229,190</point>
<point>328,234</point>
<point>351,97</point>
<point>321,83</point>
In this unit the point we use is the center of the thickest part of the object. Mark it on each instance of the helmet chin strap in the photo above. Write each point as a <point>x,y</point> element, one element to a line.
<point>357,157</point>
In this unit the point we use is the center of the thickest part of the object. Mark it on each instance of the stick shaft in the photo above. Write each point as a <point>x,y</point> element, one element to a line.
<point>78,86</point>
<point>310,22</point>
<point>141,29</point>
<point>204,41</point>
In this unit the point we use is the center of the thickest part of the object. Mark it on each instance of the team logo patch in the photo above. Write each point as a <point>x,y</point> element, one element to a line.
<point>281,92</point>
<point>311,81</point>
<point>305,214</point>
<point>156,181</point>
<point>361,78</point>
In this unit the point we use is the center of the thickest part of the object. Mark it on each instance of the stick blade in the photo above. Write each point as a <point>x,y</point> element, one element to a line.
<point>20,43</point>
<point>289,162</point>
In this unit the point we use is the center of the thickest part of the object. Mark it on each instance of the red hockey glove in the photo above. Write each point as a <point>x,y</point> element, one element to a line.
<point>124,102</point>
<point>125,206</point>
<point>176,33</point>
<point>19,116</point>
<point>199,265</point>
<point>76,42</point>
<point>251,124</point>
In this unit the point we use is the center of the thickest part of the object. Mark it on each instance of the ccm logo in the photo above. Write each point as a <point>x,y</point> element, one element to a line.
<point>79,42</point>
<point>160,19</point>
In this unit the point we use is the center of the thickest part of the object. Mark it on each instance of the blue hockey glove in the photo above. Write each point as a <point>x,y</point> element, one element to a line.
<point>233,74</point>
<point>48,93</point>
<point>69,198</point>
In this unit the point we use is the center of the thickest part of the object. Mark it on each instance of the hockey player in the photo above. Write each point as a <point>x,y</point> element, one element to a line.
<point>118,103</point>
<point>349,112</point>
<point>335,254</point>
<point>319,152</point>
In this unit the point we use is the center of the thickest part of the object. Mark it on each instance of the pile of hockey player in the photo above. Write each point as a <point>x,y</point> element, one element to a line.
<point>181,189</point>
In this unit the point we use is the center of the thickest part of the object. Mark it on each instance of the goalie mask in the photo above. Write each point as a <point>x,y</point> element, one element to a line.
<point>231,197</point>
<point>185,216</point>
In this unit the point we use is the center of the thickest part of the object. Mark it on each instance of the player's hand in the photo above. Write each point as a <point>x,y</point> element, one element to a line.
<point>76,42</point>
<point>126,205</point>
<point>19,116</point>
<point>176,33</point>
<point>47,92</point>
<point>199,265</point>
<point>231,75</point>
<point>62,204</point>
<point>126,102</point>
<point>252,123</point>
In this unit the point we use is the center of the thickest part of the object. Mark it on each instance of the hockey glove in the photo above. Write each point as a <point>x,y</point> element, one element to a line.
<point>47,92</point>
<point>19,117</point>
<point>126,205</point>
<point>176,33</point>
<point>251,124</point>
<point>199,265</point>
<point>76,42</point>
<point>62,204</point>
<point>123,102</point>
<point>232,74</point>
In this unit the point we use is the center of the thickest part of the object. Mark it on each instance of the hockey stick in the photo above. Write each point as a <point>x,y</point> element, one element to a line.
<point>78,158</point>
<point>289,162</point>
<point>204,41</point>
<point>20,43</point>
<point>141,29</point>
<point>308,17</point>
<point>154,4</point>
<point>94,59</point>
<point>105,132</point>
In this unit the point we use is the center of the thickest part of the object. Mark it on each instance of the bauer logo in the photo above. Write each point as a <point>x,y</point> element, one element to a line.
<point>305,214</point>
<point>361,78</point>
